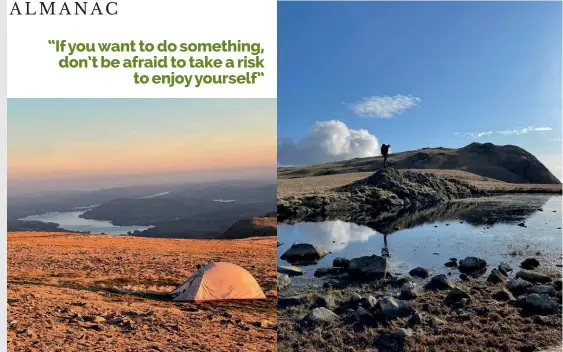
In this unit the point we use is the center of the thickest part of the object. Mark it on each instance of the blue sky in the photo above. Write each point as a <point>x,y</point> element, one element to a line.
<point>432,73</point>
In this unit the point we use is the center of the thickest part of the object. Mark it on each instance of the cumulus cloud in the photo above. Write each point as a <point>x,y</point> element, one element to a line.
<point>384,106</point>
<point>506,132</point>
<point>328,141</point>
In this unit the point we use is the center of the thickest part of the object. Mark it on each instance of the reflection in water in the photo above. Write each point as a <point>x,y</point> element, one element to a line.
<point>485,228</point>
<point>477,212</point>
<point>333,236</point>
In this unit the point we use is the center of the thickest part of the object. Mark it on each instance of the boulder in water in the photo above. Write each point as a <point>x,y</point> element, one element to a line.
<point>303,252</point>
<point>372,267</point>
<point>472,266</point>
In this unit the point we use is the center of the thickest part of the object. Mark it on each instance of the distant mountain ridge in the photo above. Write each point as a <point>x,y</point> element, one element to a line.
<point>506,163</point>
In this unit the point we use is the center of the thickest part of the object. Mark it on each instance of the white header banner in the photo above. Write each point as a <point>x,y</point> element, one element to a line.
<point>149,49</point>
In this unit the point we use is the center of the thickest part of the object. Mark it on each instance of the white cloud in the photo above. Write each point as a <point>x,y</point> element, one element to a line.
<point>505,132</point>
<point>328,141</point>
<point>384,106</point>
<point>333,236</point>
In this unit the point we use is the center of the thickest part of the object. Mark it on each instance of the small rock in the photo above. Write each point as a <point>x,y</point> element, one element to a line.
<point>320,272</point>
<point>522,224</point>
<point>408,291</point>
<point>496,277</point>
<point>464,277</point>
<point>504,268</point>
<point>532,276</point>
<point>341,263</point>
<point>361,315</point>
<point>265,324</point>
<point>541,304</point>
<point>503,295</point>
<point>334,283</point>
<point>415,319</point>
<point>452,263</point>
<point>402,333</point>
<point>78,316</point>
<point>284,302</point>
<point>457,294</point>
<point>321,315</point>
<point>283,281</point>
<point>327,301</point>
<point>374,266</point>
<point>303,252</point>
<point>439,282</point>
<point>557,285</point>
<point>543,289</point>
<point>355,298</point>
<point>473,266</point>
<point>517,286</point>
<point>530,264</point>
<point>371,302</point>
<point>291,270</point>
<point>419,272</point>
<point>394,307</point>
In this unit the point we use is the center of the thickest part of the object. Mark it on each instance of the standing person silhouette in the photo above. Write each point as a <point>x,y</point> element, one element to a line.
<point>385,152</point>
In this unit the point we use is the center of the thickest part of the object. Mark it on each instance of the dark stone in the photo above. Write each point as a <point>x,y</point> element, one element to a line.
<point>303,252</point>
<point>504,268</point>
<point>284,302</point>
<point>439,282</point>
<point>541,304</point>
<point>419,272</point>
<point>503,295</point>
<point>530,264</point>
<point>518,286</point>
<point>496,277</point>
<point>532,276</point>
<point>543,289</point>
<point>320,272</point>
<point>327,301</point>
<point>473,266</point>
<point>373,267</point>
<point>341,263</point>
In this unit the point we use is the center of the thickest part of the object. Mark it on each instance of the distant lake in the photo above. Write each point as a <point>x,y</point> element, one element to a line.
<point>70,220</point>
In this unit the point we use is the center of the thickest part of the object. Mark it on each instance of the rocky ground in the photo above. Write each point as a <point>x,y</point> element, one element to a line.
<point>362,307</point>
<point>362,197</point>
<point>72,292</point>
<point>383,191</point>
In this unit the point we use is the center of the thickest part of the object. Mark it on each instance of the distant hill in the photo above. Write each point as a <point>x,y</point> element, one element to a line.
<point>255,227</point>
<point>506,163</point>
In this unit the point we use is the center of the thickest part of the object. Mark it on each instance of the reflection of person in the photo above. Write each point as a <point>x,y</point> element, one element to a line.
<point>384,152</point>
<point>385,250</point>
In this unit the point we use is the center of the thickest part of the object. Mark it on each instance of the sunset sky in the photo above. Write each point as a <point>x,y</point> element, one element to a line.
<point>50,139</point>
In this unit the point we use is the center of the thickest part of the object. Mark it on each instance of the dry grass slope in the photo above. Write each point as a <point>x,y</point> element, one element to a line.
<point>68,292</point>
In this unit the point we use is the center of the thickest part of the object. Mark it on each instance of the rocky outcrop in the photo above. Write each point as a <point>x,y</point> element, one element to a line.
<point>386,190</point>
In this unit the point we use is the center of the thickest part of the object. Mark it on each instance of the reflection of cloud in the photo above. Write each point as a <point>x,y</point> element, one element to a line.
<point>333,236</point>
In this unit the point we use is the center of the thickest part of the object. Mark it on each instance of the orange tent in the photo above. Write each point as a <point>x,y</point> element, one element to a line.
<point>219,282</point>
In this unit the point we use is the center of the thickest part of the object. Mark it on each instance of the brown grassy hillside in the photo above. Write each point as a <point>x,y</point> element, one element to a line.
<point>255,227</point>
<point>507,163</point>
<point>70,292</point>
